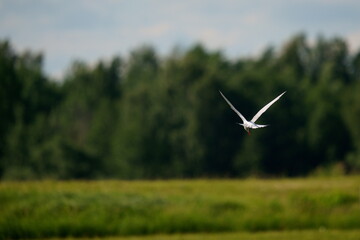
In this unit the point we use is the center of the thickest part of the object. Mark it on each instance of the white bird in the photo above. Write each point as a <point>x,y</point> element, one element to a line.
<point>251,124</point>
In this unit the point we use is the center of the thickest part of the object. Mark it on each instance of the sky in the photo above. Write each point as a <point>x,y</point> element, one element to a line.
<point>90,30</point>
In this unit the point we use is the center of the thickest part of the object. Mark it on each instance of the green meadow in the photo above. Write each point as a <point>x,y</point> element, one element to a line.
<point>182,209</point>
<point>268,235</point>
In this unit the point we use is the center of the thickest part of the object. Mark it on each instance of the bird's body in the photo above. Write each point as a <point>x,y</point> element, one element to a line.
<point>251,124</point>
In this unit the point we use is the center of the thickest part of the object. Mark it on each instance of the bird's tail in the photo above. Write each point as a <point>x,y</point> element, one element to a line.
<point>261,126</point>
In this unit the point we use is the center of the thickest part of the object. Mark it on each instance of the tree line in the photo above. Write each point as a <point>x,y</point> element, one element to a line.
<point>148,116</point>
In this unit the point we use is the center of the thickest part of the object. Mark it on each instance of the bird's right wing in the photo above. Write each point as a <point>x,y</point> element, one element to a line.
<point>258,114</point>
<point>233,108</point>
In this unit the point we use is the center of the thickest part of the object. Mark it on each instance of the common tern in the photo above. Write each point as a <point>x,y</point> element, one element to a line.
<point>251,124</point>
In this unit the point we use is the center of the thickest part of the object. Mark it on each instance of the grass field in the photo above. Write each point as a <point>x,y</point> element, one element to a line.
<point>269,235</point>
<point>325,208</point>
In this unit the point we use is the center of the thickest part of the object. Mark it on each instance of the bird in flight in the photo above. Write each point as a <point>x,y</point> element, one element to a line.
<point>251,124</point>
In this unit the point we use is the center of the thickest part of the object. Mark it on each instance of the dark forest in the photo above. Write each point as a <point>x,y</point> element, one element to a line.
<point>158,117</point>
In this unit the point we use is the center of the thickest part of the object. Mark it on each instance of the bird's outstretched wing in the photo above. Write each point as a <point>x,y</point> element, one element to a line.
<point>233,108</point>
<point>259,113</point>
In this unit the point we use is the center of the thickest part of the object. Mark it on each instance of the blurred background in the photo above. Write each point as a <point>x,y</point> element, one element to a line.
<point>129,89</point>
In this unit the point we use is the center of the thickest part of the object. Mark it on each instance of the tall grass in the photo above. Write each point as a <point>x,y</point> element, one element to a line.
<point>268,235</point>
<point>104,208</point>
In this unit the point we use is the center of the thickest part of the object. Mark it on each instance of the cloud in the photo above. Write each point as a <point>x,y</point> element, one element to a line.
<point>215,38</point>
<point>354,41</point>
<point>254,18</point>
<point>156,30</point>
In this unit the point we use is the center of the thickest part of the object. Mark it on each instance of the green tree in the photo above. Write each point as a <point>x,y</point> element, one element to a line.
<point>28,96</point>
<point>9,95</point>
<point>87,116</point>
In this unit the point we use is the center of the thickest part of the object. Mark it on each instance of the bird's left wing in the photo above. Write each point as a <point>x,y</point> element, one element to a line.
<point>233,108</point>
<point>259,113</point>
